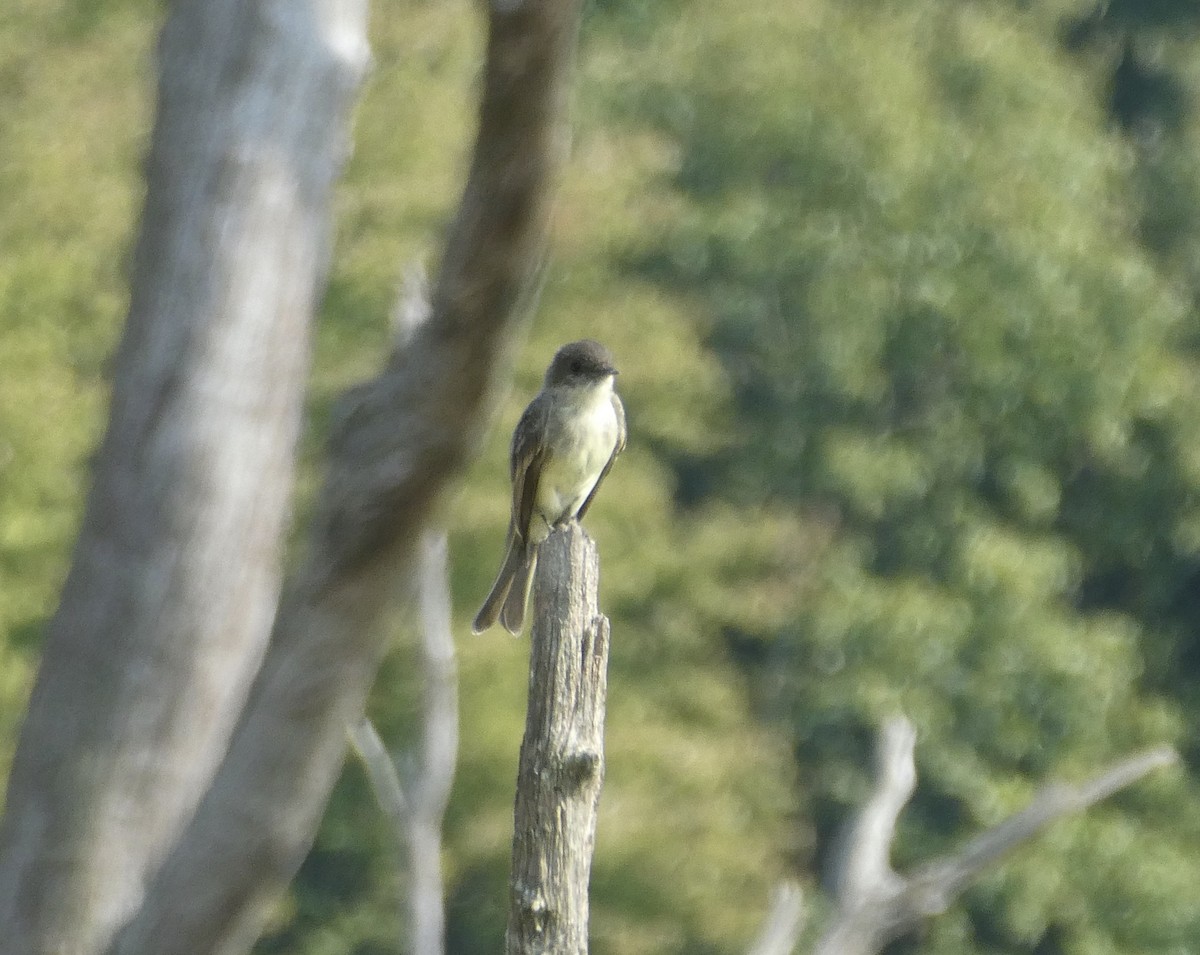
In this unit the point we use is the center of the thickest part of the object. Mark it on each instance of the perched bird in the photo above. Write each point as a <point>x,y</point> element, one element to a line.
<point>562,449</point>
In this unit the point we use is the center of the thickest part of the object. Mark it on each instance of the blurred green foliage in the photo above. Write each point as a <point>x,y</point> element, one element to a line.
<point>905,297</point>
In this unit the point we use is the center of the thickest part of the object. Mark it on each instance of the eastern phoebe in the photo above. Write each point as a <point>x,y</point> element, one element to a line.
<point>562,448</point>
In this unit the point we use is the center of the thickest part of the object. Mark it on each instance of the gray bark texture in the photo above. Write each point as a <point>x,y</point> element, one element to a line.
<point>174,764</point>
<point>562,754</point>
<point>175,577</point>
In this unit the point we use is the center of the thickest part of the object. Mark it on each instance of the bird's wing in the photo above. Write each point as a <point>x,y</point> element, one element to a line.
<point>619,409</point>
<point>528,456</point>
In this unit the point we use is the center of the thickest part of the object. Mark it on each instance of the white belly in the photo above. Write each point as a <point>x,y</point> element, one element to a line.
<point>582,443</point>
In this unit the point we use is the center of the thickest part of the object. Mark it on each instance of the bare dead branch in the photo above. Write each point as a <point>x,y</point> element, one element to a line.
<point>875,905</point>
<point>865,870</point>
<point>382,774</point>
<point>434,774</point>
<point>416,818</point>
<point>562,754</point>
<point>933,887</point>
<point>784,922</point>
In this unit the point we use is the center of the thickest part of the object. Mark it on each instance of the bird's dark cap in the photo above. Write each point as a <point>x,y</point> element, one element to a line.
<point>586,359</point>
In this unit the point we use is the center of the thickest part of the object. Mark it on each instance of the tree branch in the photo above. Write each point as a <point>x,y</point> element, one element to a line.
<point>399,439</point>
<point>434,777</point>
<point>382,774</point>
<point>875,905</point>
<point>865,871</point>
<point>562,754</point>
<point>934,886</point>
<point>784,922</point>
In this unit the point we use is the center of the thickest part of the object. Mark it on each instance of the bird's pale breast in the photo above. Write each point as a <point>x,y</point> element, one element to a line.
<point>582,439</point>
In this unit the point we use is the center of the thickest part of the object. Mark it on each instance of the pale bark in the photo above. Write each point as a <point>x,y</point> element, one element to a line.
<point>174,584</point>
<point>416,805</point>
<point>876,905</point>
<point>433,778</point>
<point>782,927</point>
<point>397,441</point>
<point>175,577</point>
<point>562,754</point>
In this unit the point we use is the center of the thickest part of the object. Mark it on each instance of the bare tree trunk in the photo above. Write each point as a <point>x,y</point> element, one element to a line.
<point>399,439</point>
<point>562,754</point>
<point>172,592</point>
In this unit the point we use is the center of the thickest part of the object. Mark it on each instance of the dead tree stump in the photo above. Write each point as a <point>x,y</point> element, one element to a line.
<point>562,754</point>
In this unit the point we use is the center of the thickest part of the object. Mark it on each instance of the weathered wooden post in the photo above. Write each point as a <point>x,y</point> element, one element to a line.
<point>562,754</point>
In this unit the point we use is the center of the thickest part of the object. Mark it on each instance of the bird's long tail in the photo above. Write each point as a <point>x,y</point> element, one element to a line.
<point>514,562</point>
<point>512,614</point>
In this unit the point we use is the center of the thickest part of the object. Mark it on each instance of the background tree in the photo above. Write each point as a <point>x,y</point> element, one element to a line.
<point>158,801</point>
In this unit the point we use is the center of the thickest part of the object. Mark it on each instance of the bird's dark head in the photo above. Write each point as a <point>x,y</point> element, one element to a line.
<point>580,363</point>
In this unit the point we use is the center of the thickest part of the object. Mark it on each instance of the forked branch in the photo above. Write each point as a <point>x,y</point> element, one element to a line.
<point>875,904</point>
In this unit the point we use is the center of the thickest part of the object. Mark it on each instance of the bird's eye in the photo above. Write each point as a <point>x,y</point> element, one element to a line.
<point>576,367</point>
